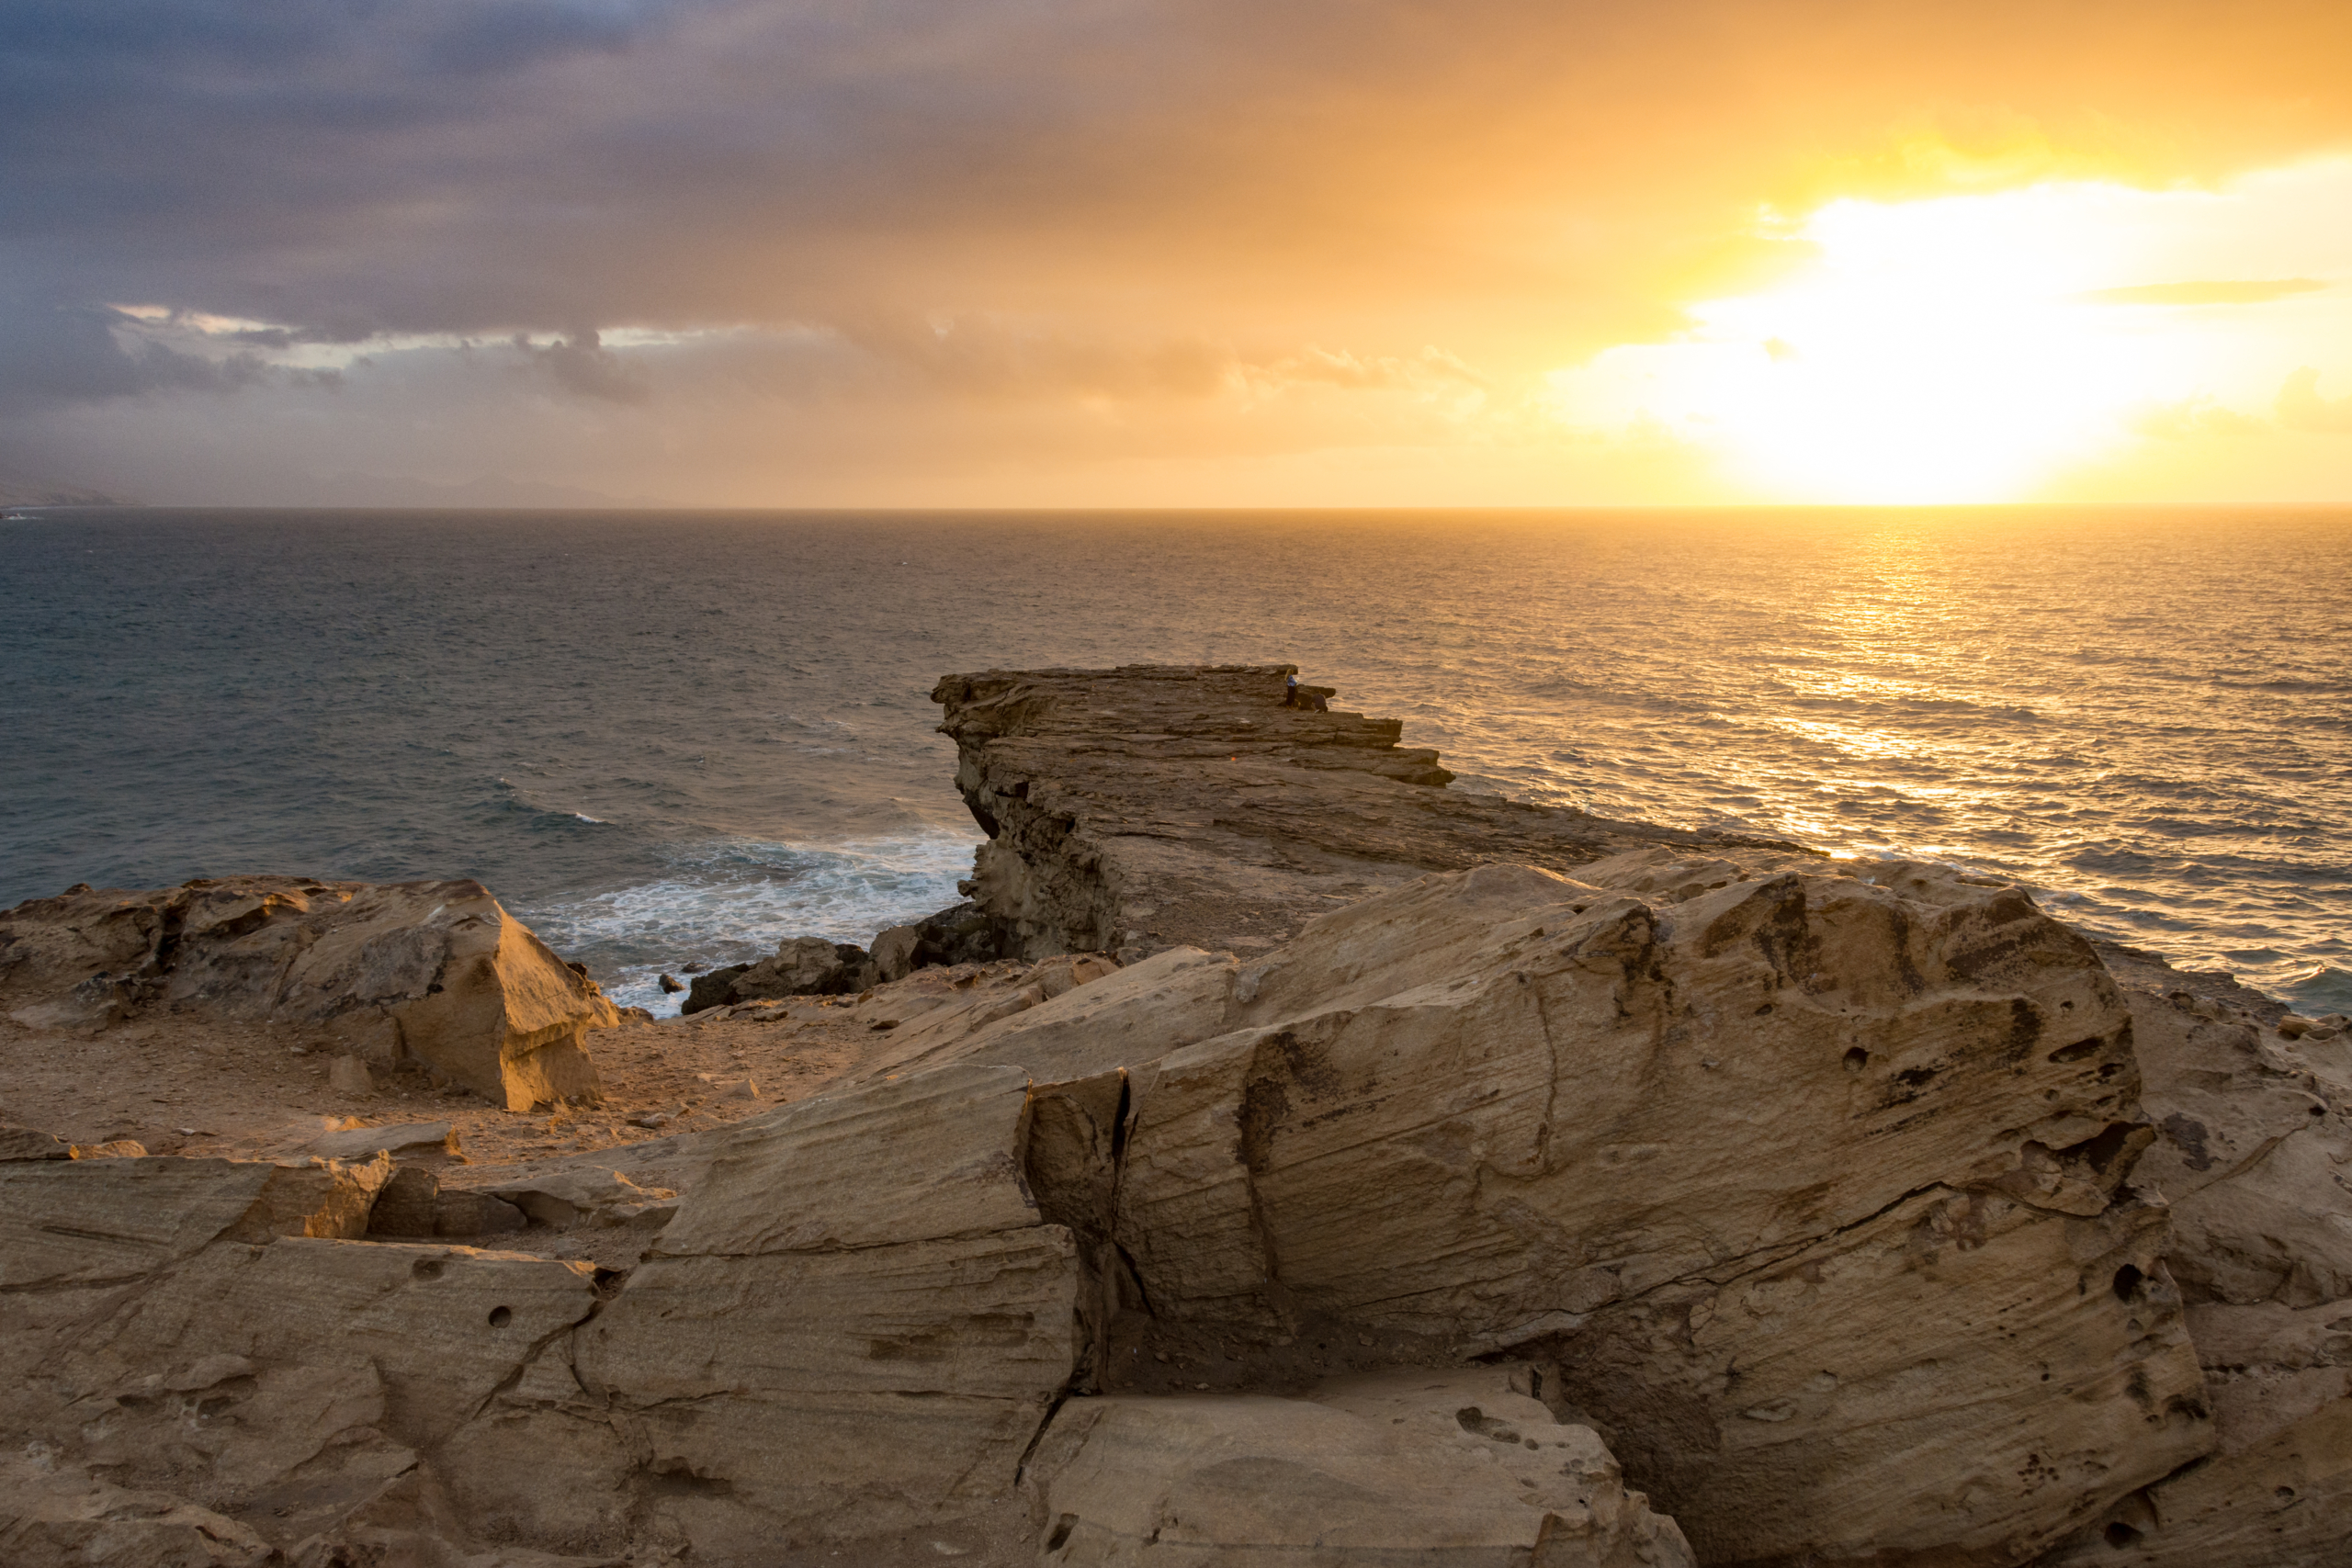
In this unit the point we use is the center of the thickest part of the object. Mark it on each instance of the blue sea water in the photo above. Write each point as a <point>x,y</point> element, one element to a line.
<point>666,737</point>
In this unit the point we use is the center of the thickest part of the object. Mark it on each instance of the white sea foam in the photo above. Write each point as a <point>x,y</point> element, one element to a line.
<point>733,901</point>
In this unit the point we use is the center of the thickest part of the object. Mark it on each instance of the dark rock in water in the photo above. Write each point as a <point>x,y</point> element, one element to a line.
<point>962,934</point>
<point>671,985</point>
<point>803,966</point>
<point>808,966</point>
<point>710,989</point>
<point>694,968</point>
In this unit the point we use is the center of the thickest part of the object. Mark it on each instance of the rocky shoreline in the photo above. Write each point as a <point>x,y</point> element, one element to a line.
<point>1280,1158</point>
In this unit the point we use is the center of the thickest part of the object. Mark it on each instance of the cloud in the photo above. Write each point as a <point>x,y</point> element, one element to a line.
<point>2247,293</point>
<point>579,364</point>
<point>2301,407</point>
<point>1059,222</point>
<point>68,354</point>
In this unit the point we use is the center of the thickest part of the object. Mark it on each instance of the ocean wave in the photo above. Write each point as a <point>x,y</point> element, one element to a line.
<point>731,901</point>
<point>512,797</point>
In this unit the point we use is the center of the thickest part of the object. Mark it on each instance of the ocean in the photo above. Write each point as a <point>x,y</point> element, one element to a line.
<point>669,739</point>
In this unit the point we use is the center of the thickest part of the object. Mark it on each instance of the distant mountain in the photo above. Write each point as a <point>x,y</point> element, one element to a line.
<point>27,490</point>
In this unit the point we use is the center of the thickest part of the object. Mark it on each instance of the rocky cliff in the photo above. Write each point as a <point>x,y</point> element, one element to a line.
<point>1685,1205</point>
<point>1153,805</point>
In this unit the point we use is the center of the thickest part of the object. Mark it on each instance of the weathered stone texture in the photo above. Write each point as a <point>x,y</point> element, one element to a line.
<point>434,970</point>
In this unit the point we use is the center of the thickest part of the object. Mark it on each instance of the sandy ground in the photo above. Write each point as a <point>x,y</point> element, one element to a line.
<point>185,1084</point>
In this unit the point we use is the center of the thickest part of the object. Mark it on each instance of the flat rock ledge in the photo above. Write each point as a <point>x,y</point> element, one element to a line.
<point>1154,805</point>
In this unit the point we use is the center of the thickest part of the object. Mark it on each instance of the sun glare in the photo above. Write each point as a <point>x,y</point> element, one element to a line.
<point>1971,349</point>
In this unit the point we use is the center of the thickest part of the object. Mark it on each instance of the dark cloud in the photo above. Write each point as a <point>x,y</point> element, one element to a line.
<point>65,353</point>
<point>579,364</point>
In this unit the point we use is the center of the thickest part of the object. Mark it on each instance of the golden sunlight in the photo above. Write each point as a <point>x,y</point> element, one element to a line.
<point>1976,348</point>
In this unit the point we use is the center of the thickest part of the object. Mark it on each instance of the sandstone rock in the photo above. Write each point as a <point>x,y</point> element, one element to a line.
<point>349,1075</point>
<point>116,1148</point>
<point>79,1238</point>
<point>819,1345</point>
<point>1754,1164</point>
<point>1408,1465</point>
<point>1189,802</point>
<point>462,1213</point>
<point>74,1521</point>
<point>63,1222</point>
<point>2255,1133</point>
<point>1066,973</point>
<point>2256,1124</point>
<point>469,989</point>
<point>410,1141</point>
<point>564,1199</point>
<point>408,1205</point>
<point>1125,1015</point>
<point>23,1142</point>
<point>359,1358</point>
<point>894,952</point>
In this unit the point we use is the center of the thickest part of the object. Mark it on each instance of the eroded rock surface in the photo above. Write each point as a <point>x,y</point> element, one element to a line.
<point>2255,1150</point>
<point>1460,1467</point>
<point>1813,1187</point>
<point>435,970</point>
<point>1152,805</point>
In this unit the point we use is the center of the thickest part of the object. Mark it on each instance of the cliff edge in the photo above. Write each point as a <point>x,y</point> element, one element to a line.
<point>1152,805</point>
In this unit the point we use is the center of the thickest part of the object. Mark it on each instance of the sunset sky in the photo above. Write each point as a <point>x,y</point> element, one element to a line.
<point>1130,253</point>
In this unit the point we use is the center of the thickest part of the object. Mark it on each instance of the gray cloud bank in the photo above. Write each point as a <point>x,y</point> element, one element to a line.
<point>677,245</point>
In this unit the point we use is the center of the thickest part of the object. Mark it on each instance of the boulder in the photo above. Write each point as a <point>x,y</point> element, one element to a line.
<point>1457,1466</point>
<point>801,966</point>
<point>714,988</point>
<point>894,952</point>
<point>807,967</point>
<point>460,985</point>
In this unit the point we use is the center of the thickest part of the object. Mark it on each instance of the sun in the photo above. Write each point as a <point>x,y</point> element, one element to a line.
<point>1973,348</point>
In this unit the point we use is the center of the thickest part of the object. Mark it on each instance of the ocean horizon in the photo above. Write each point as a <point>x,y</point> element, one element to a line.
<point>665,737</point>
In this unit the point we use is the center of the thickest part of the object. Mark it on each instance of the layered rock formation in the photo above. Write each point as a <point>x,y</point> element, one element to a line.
<point>434,971</point>
<point>1815,1191</point>
<point>1153,805</point>
<point>1855,1209</point>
